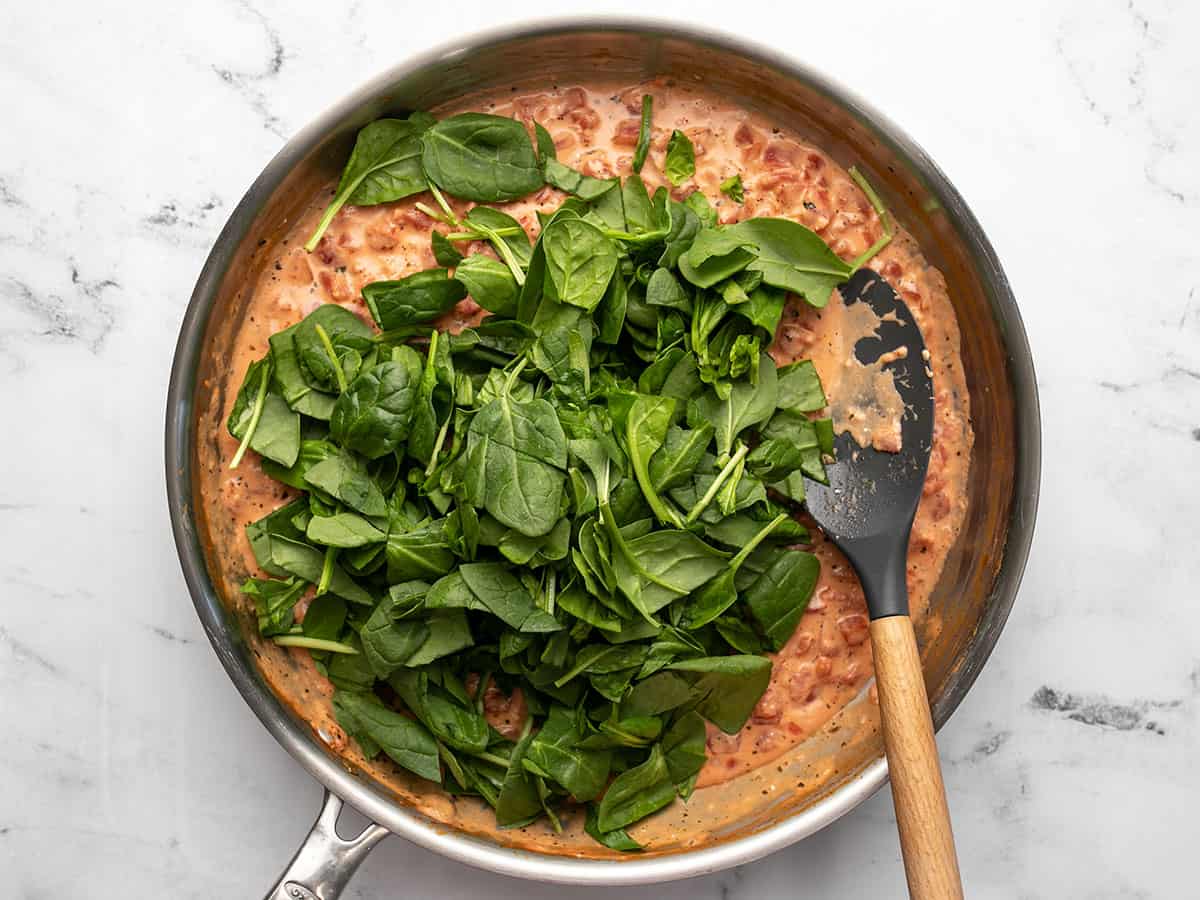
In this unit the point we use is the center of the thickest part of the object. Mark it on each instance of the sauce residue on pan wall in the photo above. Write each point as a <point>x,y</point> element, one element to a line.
<point>818,705</point>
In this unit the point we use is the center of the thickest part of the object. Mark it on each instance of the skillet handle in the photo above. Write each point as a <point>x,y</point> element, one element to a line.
<point>325,862</point>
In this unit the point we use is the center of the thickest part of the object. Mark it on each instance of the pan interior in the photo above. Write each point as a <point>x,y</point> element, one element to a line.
<point>975,591</point>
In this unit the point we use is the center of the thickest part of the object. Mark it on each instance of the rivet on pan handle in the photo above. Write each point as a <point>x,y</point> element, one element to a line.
<point>325,862</point>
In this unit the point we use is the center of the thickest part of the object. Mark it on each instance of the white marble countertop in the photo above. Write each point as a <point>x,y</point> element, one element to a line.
<point>129,765</point>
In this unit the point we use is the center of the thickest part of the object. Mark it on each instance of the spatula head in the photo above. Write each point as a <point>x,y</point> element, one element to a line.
<point>868,506</point>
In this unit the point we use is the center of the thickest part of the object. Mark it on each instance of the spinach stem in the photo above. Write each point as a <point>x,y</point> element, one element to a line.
<point>435,215</point>
<point>437,447</point>
<point>515,373</point>
<point>453,765</point>
<point>475,234</point>
<point>551,590</point>
<point>441,201</point>
<point>333,358</point>
<point>326,570</point>
<point>494,758</point>
<point>260,400</point>
<point>661,509</point>
<point>885,219</point>
<point>702,503</point>
<point>752,545</point>
<point>481,691</point>
<point>311,643</point>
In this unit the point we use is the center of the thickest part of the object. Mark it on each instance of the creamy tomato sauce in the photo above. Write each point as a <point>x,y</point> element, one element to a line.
<point>827,663</point>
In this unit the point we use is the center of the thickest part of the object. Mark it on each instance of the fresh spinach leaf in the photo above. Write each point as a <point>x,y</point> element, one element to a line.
<point>294,557</point>
<point>580,262</point>
<point>567,179</point>
<point>412,300</point>
<point>800,388</point>
<point>342,476</point>
<point>444,252</point>
<point>505,597</point>
<point>405,741</point>
<point>554,753</point>
<point>262,420</point>
<point>748,403</point>
<point>517,455</point>
<point>273,602</point>
<point>683,749</point>
<point>480,157</point>
<point>617,839</point>
<point>726,688</point>
<point>373,415</point>
<point>490,283</point>
<point>289,380</point>
<point>327,342</point>
<point>636,793</point>
<point>793,258</point>
<point>642,148</point>
<point>718,594</point>
<point>680,164</point>
<point>343,530</point>
<point>518,801</point>
<point>732,188</point>
<point>681,453</point>
<point>385,165</point>
<point>779,596</point>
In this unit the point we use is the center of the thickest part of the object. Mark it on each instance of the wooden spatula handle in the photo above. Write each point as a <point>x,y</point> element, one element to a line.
<point>926,840</point>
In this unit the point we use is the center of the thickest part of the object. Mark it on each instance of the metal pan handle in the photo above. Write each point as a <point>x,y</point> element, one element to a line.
<point>325,862</point>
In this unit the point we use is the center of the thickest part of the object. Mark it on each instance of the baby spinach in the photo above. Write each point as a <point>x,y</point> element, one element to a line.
<point>405,742</point>
<point>326,340</point>
<point>719,594</point>
<point>726,688</point>
<point>645,421</point>
<point>480,157</point>
<point>792,258</point>
<point>747,404</point>
<point>273,602</point>
<point>289,380</point>
<point>663,290</point>
<point>343,476</point>
<point>385,165</point>
<point>643,140</point>
<point>617,839</point>
<point>681,452</point>
<point>580,262</point>
<point>262,420</point>
<point>444,252</point>
<point>343,530</point>
<point>636,793</point>
<point>779,596</point>
<point>684,753</point>
<point>555,753</point>
<point>517,455</point>
<point>518,802</point>
<point>732,188</point>
<point>568,499</point>
<point>567,179</point>
<point>490,283</point>
<point>800,388</point>
<point>305,561</point>
<point>373,415</point>
<point>412,300</point>
<point>680,164</point>
<point>506,597</point>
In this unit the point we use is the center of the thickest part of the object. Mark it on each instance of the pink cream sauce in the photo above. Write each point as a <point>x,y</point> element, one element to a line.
<point>827,662</point>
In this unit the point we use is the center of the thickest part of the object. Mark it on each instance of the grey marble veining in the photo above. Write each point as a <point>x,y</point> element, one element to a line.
<point>130,767</point>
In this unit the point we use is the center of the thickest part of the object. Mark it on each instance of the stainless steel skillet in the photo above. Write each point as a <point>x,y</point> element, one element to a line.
<point>981,578</point>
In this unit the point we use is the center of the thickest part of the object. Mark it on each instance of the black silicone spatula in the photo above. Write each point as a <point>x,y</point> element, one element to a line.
<point>867,509</point>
